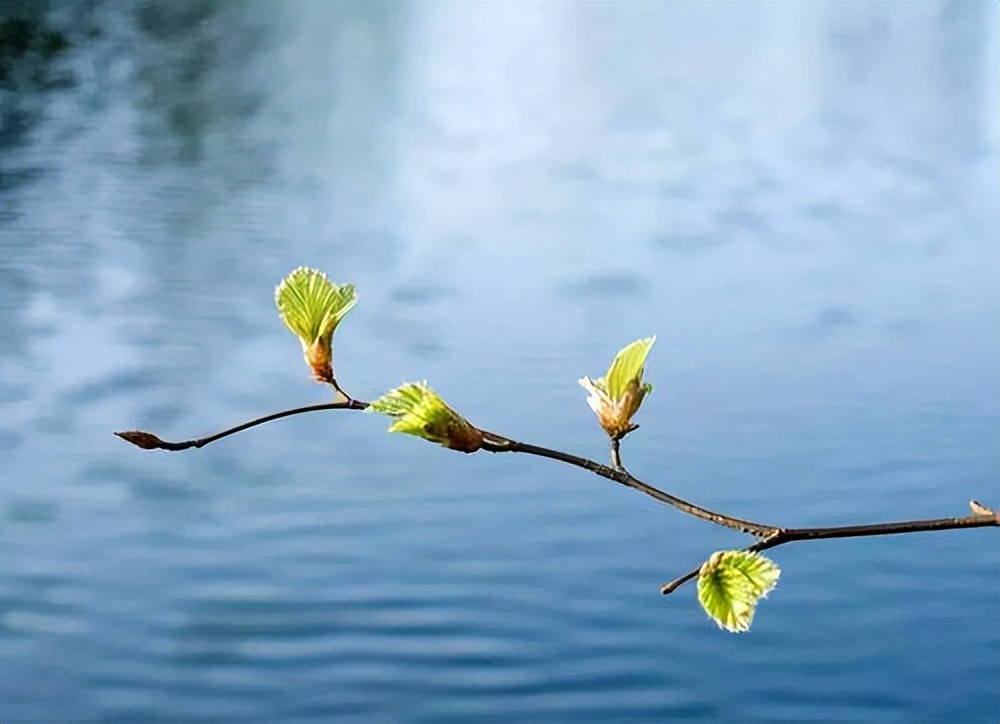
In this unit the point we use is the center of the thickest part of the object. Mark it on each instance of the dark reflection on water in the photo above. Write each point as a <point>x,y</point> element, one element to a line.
<point>799,199</point>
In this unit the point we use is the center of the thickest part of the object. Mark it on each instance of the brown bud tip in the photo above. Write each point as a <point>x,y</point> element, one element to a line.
<point>320,360</point>
<point>464,437</point>
<point>145,440</point>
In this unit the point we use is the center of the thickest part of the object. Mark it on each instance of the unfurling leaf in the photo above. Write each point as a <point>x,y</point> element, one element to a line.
<point>617,396</point>
<point>730,583</point>
<point>312,306</point>
<point>420,411</point>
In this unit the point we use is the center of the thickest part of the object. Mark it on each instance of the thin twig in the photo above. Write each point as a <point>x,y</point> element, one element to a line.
<point>492,443</point>
<point>673,585</point>
<point>625,478</point>
<point>790,535</point>
<point>149,441</point>
<point>770,536</point>
<point>347,397</point>
<point>616,454</point>
<point>782,536</point>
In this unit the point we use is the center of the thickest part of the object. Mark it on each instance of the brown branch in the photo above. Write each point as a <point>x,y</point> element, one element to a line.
<point>149,441</point>
<point>347,397</point>
<point>498,443</point>
<point>781,536</point>
<point>492,443</point>
<point>671,586</point>
<point>769,536</point>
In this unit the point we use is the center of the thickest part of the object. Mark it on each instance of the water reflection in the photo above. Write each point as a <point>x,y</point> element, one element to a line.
<point>800,199</point>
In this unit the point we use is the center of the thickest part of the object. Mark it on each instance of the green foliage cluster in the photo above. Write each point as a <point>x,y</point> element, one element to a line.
<point>730,583</point>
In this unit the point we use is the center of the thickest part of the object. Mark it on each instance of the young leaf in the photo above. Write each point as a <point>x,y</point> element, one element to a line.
<point>617,396</point>
<point>628,367</point>
<point>730,583</point>
<point>420,411</point>
<point>312,306</point>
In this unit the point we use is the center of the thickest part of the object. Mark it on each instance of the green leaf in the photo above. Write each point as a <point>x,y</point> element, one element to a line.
<point>420,411</point>
<point>628,367</point>
<point>730,583</point>
<point>616,397</point>
<point>311,305</point>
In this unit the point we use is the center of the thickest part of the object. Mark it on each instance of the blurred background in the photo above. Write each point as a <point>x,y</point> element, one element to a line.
<point>799,199</point>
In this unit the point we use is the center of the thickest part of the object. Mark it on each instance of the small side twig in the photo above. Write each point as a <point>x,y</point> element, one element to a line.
<point>616,454</point>
<point>350,400</point>
<point>781,536</point>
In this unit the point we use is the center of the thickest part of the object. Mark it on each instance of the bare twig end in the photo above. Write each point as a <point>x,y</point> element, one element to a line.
<point>145,440</point>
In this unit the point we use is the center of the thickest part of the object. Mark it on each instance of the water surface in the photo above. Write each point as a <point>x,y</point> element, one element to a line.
<point>800,200</point>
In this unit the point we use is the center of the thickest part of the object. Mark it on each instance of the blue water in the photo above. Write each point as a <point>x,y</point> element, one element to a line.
<point>800,200</point>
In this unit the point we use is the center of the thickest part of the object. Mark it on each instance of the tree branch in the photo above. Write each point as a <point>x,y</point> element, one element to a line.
<point>492,443</point>
<point>149,441</point>
<point>769,536</point>
<point>781,536</point>
<point>497,443</point>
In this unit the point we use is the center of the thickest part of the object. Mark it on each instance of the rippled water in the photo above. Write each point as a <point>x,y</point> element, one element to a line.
<point>799,199</point>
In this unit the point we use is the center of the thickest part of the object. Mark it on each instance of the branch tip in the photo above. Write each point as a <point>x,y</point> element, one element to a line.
<point>145,440</point>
